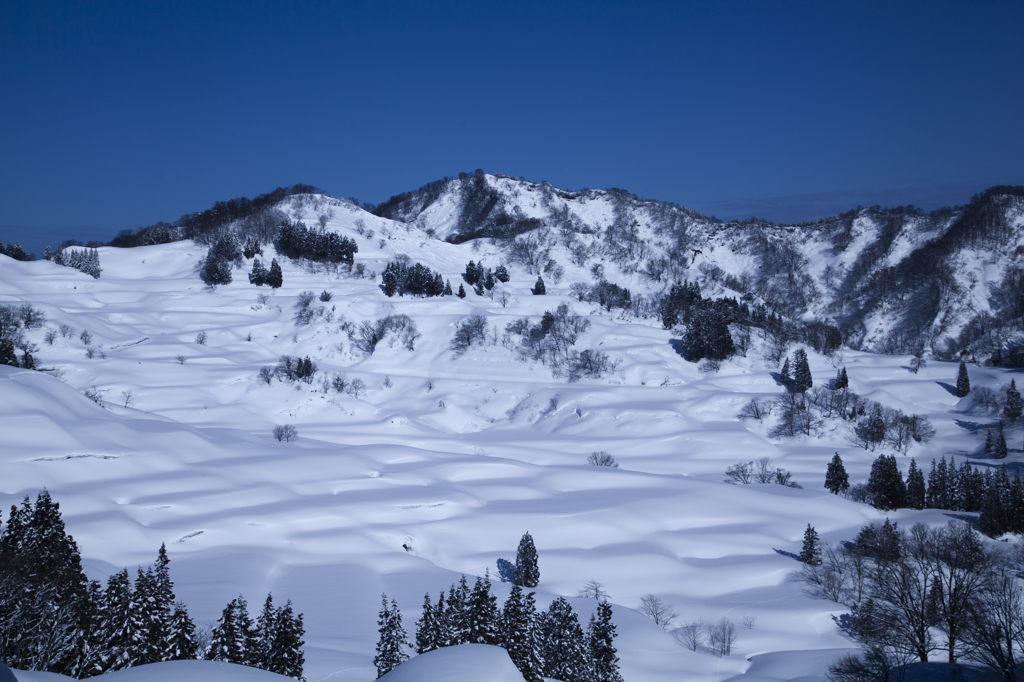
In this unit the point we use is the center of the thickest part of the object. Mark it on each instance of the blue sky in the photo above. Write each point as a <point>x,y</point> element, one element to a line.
<point>118,115</point>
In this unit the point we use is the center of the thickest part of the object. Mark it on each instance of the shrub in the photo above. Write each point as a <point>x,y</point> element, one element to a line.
<point>602,459</point>
<point>285,433</point>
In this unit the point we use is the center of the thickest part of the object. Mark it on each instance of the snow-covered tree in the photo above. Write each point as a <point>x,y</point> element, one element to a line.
<point>538,288</point>
<point>836,479</point>
<point>233,639</point>
<point>482,614</point>
<point>517,634</point>
<point>888,491</point>
<point>275,277</point>
<point>565,652</point>
<point>915,487</point>
<point>810,553</point>
<point>963,382</point>
<point>426,628</point>
<point>802,381</point>
<point>392,643</point>
<point>842,381</point>
<point>1014,405</point>
<point>601,642</point>
<point>527,569</point>
<point>182,643</point>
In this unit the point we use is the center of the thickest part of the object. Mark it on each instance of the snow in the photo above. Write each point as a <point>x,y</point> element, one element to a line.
<point>172,671</point>
<point>407,487</point>
<point>463,663</point>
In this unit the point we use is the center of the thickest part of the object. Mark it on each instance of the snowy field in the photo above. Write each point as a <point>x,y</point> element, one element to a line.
<point>410,485</point>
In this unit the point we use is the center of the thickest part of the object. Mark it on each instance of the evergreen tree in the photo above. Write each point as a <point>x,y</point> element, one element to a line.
<point>885,483</point>
<point>426,628</point>
<point>785,378</point>
<point>275,278</point>
<point>471,274</point>
<point>442,623</point>
<point>963,382</point>
<point>448,288</point>
<point>539,289</point>
<point>266,636</point>
<point>999,450</point>
<point>462,292</point>
<point>479,288</point>
<point>842,381</point>
<point>148,623</point>
<point>501,274</point>
<point>811,552</point>
<point>1014,405</point>
<point>216,270</point>
<point>872,430</point>
<point>121,635</point>
<point>391,645</point>
<point>802,380</point>
<point>259,275</point>
<point>181,643</point>
<point>482,614</point>
<point>518,618</point>
<point>286,655</point>
<point>989,443</point>
<point>390,282</point>
<point>565,653</point>
<point>489,280</point>
<point>915,487</point>
<point>836,480</point>
<point>601,642</point>
<point>233,639</point>
<point>527,570</point>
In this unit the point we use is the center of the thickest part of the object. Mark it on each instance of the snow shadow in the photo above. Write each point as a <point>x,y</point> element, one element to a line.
<point>949,387</point>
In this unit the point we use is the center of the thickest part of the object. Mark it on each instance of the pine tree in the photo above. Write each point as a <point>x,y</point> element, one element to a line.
<point>489,280</point>
<point>479,288</point>
<point>121,637</point>
<point>471,274</point>
<point>442,623</point>
<point>233,639</point>
<point>811,552</point>
<point>462,292</point>
<point>963,382</point>
<point>501,274</point>
<point>842,381</point>
<point>148,621</point>
<point>392,642</point>
<point>802,381</point>
<point>836,480</point>
<point>565,654</point>
<point>1014,405</point>
<point>915,487</point>
<point>275,278</point>
<point>286,655</point>
<point>266,635</point>
<point>518,618</point>
<point>259,275</point>
<point>601,642</point>
<point>448,288</point>
<point>989,443</point>
<point>483,614</point>
<point>885,483</point>
<point>181,643</point>
<point>527,570</point>
<point>784,376</point>
<point>215,269</point>
<point>426,628</point>
<point>539,289</point>
<point>999,450</point>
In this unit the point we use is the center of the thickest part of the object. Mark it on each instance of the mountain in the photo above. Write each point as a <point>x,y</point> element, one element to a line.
<point>432,432</point>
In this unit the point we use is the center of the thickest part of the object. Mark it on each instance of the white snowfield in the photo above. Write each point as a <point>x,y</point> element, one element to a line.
<point>406,487</point>
<point>172,671</point>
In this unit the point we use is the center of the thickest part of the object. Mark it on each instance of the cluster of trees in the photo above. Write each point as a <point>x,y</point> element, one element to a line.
<point>370,333</point>
<point>85,260</point>
<point>762,470</point>
<point>552,342</point>
<point>998,498</point>
<point>913,593</point>
<point>53,619</point>
<point>273,642</point>
<point>272,276</point>
<point>15,251</point>
<point>291,368</point>
<point>550,644</point>
<point>224,254</point>
<point>14,321</point>
<point>606,294</point>
<point>402,276</point>
<point>200,226</point>
<point>478,274</point>
<point>295,240</point>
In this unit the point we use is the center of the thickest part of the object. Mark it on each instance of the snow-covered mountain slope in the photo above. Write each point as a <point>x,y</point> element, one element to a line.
<point>441,463</point>
<point>893,280</point>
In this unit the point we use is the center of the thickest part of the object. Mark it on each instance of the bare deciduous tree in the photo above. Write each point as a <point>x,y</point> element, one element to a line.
<point>658,610</point>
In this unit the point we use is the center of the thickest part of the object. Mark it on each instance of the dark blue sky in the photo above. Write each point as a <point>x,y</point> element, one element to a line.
<point>118,115</point>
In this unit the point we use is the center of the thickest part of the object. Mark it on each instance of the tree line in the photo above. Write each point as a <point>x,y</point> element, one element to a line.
<point>54,619</point>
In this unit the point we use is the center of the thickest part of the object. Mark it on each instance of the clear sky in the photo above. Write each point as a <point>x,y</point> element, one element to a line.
<point>118,115</point>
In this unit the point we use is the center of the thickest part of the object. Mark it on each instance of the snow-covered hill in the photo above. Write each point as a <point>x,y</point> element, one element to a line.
<point>443,460</point>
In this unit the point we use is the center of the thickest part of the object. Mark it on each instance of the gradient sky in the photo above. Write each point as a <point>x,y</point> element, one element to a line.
<point>118,115</point>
